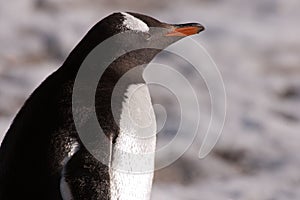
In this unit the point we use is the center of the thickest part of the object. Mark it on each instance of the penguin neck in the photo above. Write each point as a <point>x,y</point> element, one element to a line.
<point>125,113</point>
<point>131,65</point>
<point>113,86</point>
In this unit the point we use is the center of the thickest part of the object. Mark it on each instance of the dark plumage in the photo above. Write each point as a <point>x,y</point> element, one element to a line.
<point>40,137</point>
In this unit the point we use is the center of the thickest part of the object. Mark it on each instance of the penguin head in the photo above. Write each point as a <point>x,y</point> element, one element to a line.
<point>148,29</point>
<point>133,30</point>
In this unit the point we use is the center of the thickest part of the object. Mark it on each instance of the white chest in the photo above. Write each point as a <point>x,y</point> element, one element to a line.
<point>132,164</point>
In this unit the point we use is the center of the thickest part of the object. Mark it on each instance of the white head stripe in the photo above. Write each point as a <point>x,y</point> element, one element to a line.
<point>134,23</point>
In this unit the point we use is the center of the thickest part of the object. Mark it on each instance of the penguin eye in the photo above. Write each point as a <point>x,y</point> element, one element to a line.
<point>147,36</point>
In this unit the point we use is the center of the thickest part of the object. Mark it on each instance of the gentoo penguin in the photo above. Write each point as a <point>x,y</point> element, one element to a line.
<point>42,155</point>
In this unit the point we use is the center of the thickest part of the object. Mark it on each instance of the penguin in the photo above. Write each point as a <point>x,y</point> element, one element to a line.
<point>42,155</point>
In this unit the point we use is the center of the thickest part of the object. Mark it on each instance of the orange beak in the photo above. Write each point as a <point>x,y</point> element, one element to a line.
<point>182,30</point>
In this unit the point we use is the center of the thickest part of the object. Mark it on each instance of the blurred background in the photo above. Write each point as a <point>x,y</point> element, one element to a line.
<point>256,45</point>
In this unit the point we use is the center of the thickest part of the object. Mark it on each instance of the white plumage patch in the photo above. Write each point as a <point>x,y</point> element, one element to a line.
<point>64,187</point>
<point>134,23</point>
<point>132,166</point>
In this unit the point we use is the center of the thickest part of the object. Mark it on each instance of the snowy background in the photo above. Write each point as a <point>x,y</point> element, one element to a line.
<point>256,45</point>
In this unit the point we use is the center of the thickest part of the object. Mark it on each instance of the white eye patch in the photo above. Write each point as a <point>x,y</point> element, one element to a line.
<point>134,23</point>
